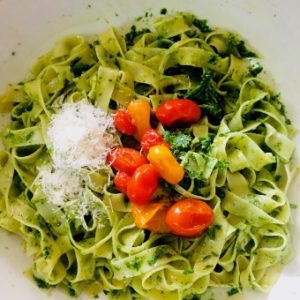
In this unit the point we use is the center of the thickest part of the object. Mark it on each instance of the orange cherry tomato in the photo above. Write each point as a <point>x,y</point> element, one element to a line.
<point>126,159</point>
<point>121,181</point>
<point>189,217</point>
<point>140,110</point>
<point>178,112</point>
<point>166,164</point>
<point>142,184</point>
<point>123,122</point>
<point>151,216</point>
<point>152,138</point>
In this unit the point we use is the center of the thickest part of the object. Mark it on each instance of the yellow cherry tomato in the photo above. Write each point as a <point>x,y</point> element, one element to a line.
<point>151,216</point>
<point>139,111</point>
<point>166,164</point>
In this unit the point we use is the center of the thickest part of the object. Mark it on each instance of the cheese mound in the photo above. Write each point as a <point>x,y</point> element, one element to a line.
<point>80,135</point>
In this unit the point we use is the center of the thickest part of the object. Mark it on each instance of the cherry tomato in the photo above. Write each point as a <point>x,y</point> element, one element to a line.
<point>152,138</point>
<point>189,217</point>
<point>166,164</point>
<point>151,216</point>
<point>140,111</point>
<point>178,112</point>
<point>142,184</point>
<point>123,122</point>
<point>121,181</point>
<point>126,159</point>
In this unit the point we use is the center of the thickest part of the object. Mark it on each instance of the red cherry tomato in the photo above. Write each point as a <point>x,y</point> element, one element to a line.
<point>123,122</point>
<point>126,159</point>
<point>142,184</point>
<point>121,181</point>
<point>152,138</point>
<point>178,112</point>
<point>189,217</point>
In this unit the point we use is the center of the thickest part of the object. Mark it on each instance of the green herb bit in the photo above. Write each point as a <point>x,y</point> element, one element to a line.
<point>77,67</point>
<point>192,297</point>
<point>222,164</point>
<point>206,144</point>
<point>220,193</point>
<point>255,69</point>
<point>159,253</point>
<point>293,205</point>
<point>201,24</point>
<point>233,291</point>
<point>194,174</point>
<point>179,141</point>
<point>133,34</point>
<point>205,94</point>
<point>211,232</point>
<point>72,292</point>
<point>163,11</point>
<point>213,59</point>
<point>237,46</point>
<point>41,283</point>
<point>188,271</point>
<point>47,252</point>
<point>134,264</point>
<point>277,178</point>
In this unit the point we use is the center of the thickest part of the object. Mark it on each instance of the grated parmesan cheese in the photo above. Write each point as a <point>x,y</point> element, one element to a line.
<point>80,135</point>
<point>62,185</point>
<point>80,138</point>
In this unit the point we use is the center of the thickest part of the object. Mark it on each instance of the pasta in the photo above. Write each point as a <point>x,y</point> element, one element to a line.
<point>237,158</point>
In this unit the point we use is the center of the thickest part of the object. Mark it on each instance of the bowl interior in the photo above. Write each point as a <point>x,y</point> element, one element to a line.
<point>27,31</point>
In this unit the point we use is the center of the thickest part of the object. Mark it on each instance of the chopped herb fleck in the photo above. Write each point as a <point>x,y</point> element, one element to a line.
<point>237,46</point>
<point>277,178</point>
<point>159,253</point>
<point>206,144</point>
<point>188,271</point>
<point>255,69</point>
<point>222,164</point>
<point>77,67</point>
<point>134,264</point>
<point>213,59</point>
<point>202,25</point>
<point>47,252</point>
<point>72,292</point>
<point>133,34</point>
<point>233,291</point>
<point>179,140</point>
<point>211,232</point>
<point>205,94</point>
<point>163,11</point>
<point>41,283</point>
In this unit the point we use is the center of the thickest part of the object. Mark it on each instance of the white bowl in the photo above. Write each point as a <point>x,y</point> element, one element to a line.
<point>30,28</point>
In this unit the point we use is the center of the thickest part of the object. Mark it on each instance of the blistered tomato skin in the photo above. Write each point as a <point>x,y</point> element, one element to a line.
<point>139,111</point>
<point>152,138</point>
<point>126,159</point>
<point>142,184</point>
<point>166,164</point>
<point>178,112</point>
<point>121,181</point>
<point>123,122</point>
<point>189,217</point>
